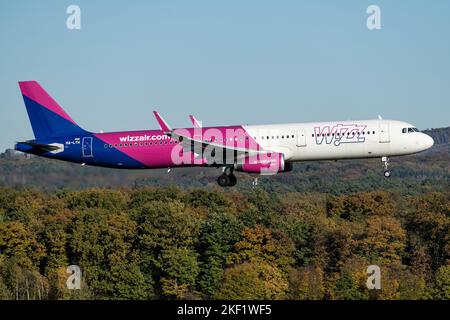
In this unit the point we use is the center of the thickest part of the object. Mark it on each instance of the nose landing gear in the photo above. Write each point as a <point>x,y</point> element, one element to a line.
<point>227,179</point>
<point>387,172</point>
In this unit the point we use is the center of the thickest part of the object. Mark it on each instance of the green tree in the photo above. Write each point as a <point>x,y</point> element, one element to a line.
<point>179,272</point>
<point>102,245</point>
<point>443,283</point>
<point>255,280</point>
<point>217,236</point>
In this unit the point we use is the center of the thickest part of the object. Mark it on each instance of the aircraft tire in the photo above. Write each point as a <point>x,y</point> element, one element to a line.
<point>223,180</point>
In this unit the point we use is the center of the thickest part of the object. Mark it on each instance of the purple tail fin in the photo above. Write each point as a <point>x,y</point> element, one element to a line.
<point>47,118</point>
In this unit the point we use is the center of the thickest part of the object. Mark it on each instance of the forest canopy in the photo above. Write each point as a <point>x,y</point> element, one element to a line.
<point>169,243</point>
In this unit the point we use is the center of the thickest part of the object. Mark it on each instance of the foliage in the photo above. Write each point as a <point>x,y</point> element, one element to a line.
<point>171,243</point>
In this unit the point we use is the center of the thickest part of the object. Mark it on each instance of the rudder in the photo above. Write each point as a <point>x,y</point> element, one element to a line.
<point>47,118</point>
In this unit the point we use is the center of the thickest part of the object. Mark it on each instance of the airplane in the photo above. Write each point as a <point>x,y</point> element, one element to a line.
<point>255,149</point>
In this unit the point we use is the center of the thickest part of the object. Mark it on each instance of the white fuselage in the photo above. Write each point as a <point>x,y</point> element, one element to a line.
<point>340,139</point>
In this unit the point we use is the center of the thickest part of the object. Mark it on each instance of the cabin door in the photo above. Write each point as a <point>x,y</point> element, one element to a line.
<point>301,138</point>
<point>87,147</point>
<point>384,132</point>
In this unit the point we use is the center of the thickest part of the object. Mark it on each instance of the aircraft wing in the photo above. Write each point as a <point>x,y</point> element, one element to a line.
<point>195,145</point>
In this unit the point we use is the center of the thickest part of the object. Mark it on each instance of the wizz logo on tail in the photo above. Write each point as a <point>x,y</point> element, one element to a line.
<point>340,133</point>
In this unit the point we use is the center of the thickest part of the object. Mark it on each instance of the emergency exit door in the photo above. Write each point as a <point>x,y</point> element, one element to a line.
<point>384,132</point>
<point>301,138</point>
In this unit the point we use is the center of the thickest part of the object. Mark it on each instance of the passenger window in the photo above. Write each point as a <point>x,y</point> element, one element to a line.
<point>410,130</point>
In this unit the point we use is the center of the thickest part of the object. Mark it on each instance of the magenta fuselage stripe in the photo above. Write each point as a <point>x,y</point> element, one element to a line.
<point>160,155</point>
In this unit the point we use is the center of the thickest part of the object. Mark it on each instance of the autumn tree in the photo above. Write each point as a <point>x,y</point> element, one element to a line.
<point>102,244</point>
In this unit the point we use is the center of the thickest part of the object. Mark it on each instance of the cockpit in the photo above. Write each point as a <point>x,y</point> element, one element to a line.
<point>410,130</point>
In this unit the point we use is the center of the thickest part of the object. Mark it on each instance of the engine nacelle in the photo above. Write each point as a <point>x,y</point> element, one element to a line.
<point>264,164</point>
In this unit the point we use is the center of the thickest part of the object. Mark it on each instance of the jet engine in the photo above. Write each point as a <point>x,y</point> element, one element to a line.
<point>264,164</point>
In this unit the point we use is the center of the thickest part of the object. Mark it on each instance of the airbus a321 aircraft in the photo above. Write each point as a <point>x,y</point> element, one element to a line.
<point>258,149</point>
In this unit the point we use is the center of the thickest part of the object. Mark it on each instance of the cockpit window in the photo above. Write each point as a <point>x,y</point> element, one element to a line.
<point>410,130</point>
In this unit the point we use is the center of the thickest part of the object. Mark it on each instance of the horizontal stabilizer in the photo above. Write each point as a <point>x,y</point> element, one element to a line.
<point>38,146</point>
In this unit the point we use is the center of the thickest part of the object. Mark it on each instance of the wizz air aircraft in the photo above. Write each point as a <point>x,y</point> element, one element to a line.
<point>256,149</point>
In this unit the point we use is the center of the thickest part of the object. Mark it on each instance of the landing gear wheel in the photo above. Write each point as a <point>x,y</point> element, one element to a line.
<point>233,180</point>
<point>223,180</point>
<point>387,172</point>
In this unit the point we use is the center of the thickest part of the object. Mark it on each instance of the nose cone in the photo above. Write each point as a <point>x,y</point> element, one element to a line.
<point>428,141</point>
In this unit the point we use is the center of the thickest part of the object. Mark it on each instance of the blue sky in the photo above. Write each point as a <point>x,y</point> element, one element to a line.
<point>227,62</point>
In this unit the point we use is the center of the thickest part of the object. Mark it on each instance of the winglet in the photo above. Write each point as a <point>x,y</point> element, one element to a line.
<point>194,121</point>
<point>162,123</point>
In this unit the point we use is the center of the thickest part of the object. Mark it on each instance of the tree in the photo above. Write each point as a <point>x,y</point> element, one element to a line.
<point>430,220</point>
<point>384,240</point>
<point>263,244</point>
<point>255,280</point>
<point>162,228</point>
<point>21,283</point>
<point>443,283</point>
<point>306,283</point>
<point>219,232</point>
<point>17,241</point>
<point>102,245</point>
<point>179,268</point>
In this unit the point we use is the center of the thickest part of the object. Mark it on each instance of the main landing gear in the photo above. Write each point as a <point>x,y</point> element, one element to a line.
<point>387,172</point>
<point>227,179</point>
